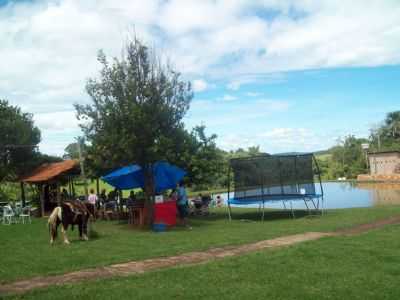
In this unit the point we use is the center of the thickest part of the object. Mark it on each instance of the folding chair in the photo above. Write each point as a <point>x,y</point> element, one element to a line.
<point>25,214</point>
<point>8,215</point>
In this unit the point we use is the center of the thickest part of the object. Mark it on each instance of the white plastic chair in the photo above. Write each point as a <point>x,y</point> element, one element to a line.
<point>8,215</point>
<point>25,214</point>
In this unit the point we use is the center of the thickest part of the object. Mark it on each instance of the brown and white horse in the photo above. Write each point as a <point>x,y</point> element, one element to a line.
<point>70,213</point>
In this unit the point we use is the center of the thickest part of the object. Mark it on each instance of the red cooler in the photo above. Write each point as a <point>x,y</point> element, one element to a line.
<point>165,213</point>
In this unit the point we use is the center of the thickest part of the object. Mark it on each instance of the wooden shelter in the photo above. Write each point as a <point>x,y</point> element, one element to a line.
<point>49,178</point>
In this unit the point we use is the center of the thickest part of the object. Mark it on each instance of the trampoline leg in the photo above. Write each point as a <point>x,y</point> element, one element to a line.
<point>284,205</point>
<point>229,211</point>
<point>308,209</point>
<point>263,212</point>
<point>315,207</point>
<point>291,208</point>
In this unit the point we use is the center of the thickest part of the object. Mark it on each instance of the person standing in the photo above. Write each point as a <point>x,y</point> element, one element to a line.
<point>92,199</point>
<point>182,205</point>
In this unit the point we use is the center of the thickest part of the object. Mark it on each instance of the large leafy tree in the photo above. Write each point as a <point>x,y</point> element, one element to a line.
<point>137,108</point>
<point>348,159</point>
<point>18,139</point>
<point>387,135</point>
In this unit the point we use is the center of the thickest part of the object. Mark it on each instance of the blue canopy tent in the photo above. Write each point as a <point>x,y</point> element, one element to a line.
<point>166,176</point>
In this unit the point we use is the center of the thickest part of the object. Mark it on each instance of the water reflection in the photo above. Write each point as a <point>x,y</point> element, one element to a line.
<point>383,193</point>
<point>349,194</point>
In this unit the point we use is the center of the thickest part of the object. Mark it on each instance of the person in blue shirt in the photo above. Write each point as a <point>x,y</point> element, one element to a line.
<point>182,204</point>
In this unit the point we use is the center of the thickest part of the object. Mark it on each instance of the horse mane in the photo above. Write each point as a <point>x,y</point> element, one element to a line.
<point>57,212</point>
<point>52,221</point>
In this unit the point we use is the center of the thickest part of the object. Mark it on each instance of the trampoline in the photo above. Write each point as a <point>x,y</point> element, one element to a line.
<point>275,178</point>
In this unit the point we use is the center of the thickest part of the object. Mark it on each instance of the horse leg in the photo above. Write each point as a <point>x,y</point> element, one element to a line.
<point>83,228</point>
<point>53,232</point>
<point>65,237</point>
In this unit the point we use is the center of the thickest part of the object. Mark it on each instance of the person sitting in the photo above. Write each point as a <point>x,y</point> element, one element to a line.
<point>205,203</point>
<point>198,203</point>
<point>173,196</point>
<point>219,201</point>
<point>102,198</point>
<point>110,206</point>
<point>131,199</point>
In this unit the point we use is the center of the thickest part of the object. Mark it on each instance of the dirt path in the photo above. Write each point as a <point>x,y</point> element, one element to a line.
<point>137,267</point>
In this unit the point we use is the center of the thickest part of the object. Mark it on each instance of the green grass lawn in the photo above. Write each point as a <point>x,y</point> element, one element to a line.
<point>357,267</point>
<point>25,250</point>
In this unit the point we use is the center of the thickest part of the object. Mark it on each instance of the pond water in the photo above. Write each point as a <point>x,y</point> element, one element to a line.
<point>347,195</point>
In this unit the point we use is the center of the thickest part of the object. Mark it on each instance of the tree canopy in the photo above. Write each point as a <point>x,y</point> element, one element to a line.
<point>138,103</point>
<point>18,139</point>
<point>387,135</point>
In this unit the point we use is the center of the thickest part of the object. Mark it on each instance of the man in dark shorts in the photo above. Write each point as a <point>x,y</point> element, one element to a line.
<point>182,205</point>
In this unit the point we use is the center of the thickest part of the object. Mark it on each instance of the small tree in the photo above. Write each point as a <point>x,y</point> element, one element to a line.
<point>138,104</point>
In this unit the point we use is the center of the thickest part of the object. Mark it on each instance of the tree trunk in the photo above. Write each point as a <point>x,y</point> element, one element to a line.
<point>97,186</point>
<point>149,191</point>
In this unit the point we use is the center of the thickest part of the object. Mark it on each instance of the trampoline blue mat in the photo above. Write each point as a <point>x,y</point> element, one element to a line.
<point>259,199</point>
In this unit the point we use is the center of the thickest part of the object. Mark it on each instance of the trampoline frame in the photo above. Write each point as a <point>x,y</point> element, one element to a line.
<point>317,200</point>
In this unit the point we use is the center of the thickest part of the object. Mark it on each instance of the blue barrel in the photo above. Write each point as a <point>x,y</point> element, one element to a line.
<point>159,227</point>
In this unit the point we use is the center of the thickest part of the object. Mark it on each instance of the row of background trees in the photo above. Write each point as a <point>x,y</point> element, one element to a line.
<point>347,158</point>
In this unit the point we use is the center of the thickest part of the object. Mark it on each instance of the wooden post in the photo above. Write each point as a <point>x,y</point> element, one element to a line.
<point>73,188</point>
<point>69,186</point>
<point>22,193</point>
<point>58,193</point>
<point>81,161</point>
<point>42,191</point>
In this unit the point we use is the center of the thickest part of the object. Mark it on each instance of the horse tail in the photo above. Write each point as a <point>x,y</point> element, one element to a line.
<point>52,221</point>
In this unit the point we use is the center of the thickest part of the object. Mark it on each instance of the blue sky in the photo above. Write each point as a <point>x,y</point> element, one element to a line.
<point>289,75</point>
<point>314,108</point>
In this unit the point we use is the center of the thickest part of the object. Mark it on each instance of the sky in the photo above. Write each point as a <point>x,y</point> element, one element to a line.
<point>288,75</point>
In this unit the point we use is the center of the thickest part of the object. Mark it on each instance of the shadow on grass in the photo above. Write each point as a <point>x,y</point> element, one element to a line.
<point>221,215</point>
<point>251,215</point>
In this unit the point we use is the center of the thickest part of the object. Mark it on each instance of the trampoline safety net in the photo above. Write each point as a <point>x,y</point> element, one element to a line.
<point>264,178</point>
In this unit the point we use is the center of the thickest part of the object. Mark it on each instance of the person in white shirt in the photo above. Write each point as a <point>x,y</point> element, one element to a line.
<point>92,199</point>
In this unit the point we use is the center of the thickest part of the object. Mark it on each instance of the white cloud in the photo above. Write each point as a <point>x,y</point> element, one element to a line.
<point>278,140</point>
<point>48,48</point>
<point>228,97</point>
<point>253,94</point>
<point>199,85</point>
<point>227,114</point>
